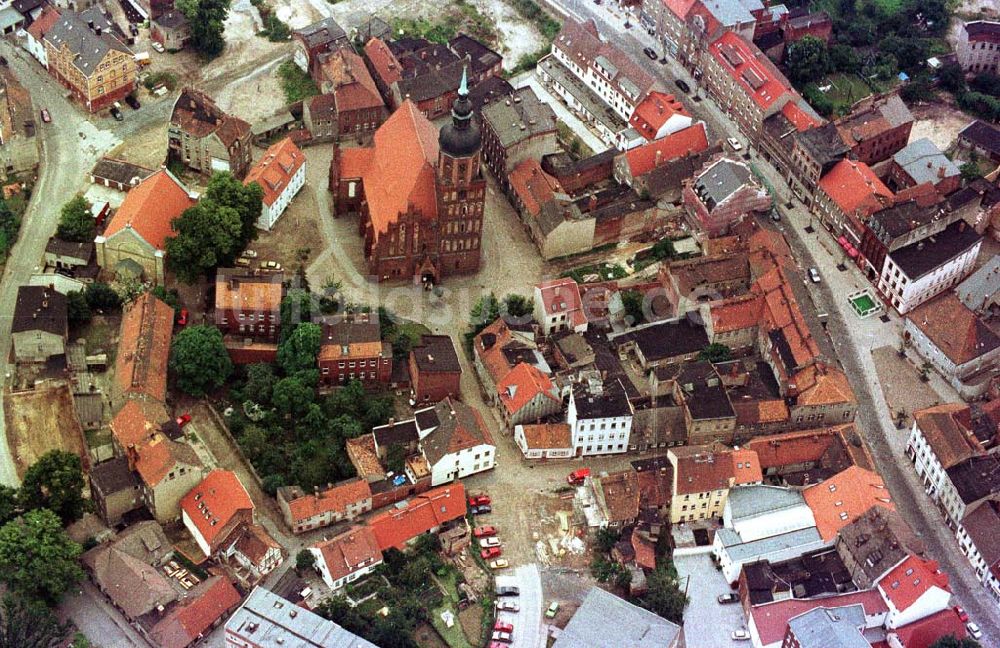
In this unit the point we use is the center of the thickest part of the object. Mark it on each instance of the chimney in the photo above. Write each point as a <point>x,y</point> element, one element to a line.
<point>90,24</point>
<point>97,30</point>
<point>941,172</point>
<point>592,204</point>
<point>961,225</point>
<point>659,157</point>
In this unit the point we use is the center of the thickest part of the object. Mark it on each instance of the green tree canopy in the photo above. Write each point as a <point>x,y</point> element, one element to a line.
<point>77,309</point>
<point>207,18</point>
<point>76,223</point>
<point>807,59</point>
<point>716,352</point>
<point>843,58</point>
<point>37,558</point>
<point>29,624</point>
<point>55,482</point>
<point>951,77</point>
<point>102,298</point>
<point>299,351</point>
<point>664,597</point>
<point>260,383</point>
<point>304,559</point>
<point>950,641</point>
<point>10,505</point>
<point>292,397</point>
<point>225,190</point>
<point>199,360</point>
<point>207,236</point>
<point>298,306</point>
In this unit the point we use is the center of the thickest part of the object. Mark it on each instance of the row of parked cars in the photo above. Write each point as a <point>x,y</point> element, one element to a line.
<point>503,631</point>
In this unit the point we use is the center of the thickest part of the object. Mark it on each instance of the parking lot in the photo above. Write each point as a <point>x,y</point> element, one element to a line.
<point>527,621</point>
<point>706,622</point>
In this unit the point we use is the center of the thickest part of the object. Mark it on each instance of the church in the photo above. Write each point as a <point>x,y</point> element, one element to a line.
<point>418,193</point>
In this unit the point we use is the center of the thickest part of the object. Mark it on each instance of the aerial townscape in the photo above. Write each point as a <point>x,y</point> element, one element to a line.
<point>500,323</point>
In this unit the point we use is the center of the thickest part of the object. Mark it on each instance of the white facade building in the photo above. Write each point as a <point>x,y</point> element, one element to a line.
<point>347,557</point>
<point>558,306</point>
<point>913,589</point>
<point>454,440</point>
<point>600,419</point>
<point>281,173</point>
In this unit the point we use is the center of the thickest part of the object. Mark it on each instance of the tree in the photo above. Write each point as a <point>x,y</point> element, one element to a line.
<point>292,397</point>
<point>37,558</point>
<point>299,351</point>
<point>395,458</point>
<point>304,560</point>
<point>632,302</point>
<point>951,77</point>
<point>260,383</point>
<point>843,58</point>
<point>168,297</point>
<point>10,505</point>
<point>910,53</point>
<point>207,236</point>
<point>716,352</point>
<point>298,306</point>
<point>207,18</point>
<point>77,308</point>
<point>664,597</point>
<point>605,539</point>
<point>199,360</point>
<point>950,641</point>
<point>970,171</point>
<point>225,190</point>
<point>29,624</point>
<point>76,222</point>
<point>101,297</point>
<point>807,59</point>
<point>55,482</point>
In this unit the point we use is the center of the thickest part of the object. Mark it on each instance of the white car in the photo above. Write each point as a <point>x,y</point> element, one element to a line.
<point>740,635</point>
<point>492,541</point>
<point>507,605</point>
<point>735,143</point>
<point>157,47</point>
<point>814,275</point>
<point>974,630</point>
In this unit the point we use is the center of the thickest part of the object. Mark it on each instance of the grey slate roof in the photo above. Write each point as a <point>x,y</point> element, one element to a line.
<point>720,181</point>
<point>73,31</point>
<point>458,429</point>
<point>981,287</point>
<point>523,117</point>
<point>120,171</point>
<point>839,627</point>
<point>982,135</point>
<point>751,501</point>
<point>801,540</point>
<point>320,32</point>
<point>606,621</point>
<point>924,162</point>
<point>39,309</point>
<point>921,257</point>
<point>732,12</point>
<point>113,476</point>
<point>436,354</point>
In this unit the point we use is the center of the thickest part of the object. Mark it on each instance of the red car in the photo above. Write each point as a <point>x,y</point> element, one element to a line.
<point>578,476</point>
<point>182,317</point>
<point>492,552</point>
<point>963,616</point>
<point>183,420</point>
<point>503,627</point>
<point>476,500</point>
<point>484,531</point>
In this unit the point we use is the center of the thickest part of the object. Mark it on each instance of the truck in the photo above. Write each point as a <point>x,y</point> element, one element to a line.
<point>142,59</point>
<point>577,477</point>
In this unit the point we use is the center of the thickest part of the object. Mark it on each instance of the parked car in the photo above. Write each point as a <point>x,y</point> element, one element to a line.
<point>735,143</point>
<point>183,420</point>
<point>508,606</point>
<point>482,509</point>
<point>974,630</point>
<point>489,554</point>
<point>507,590</point>
<point>116,112</point>
<point>775,215</point>
<point>271,265</point>
<point>182,317</point>
<point>552,610</point>
<point>492,541</point>
<point>484,531</point>
<point>503,637</point>
<point>682,85</point>
<point>497,644</point>
<point>158,47</point>
<point>650,53</point>
<point>46,117</point>
<point>577,477</point>
<point>500,626</point>
<point>132,102</point>
<point>814,275</point>
<point>963,616</point>
<point>730,597</point>
<point>499,563</point>
<point>249,254</point>
<point>477,500</point>
<point>740,635</point>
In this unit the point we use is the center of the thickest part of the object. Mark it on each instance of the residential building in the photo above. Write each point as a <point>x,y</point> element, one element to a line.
<point>978,46</point>
<point>708,411</point>
<point>319,116</point>
<point>248,304</point>
<point>318,38</point>
<point>35,39</point>
<point>941,438</point>
<point>213,509</point>
<point>841,627</point>
<point>720,196</point>
<point>483,62</point>
<point>516,128</point>
<point>553,221</point>
<point>351,348</point>
<point>544,440</point>
<point>980,292</point>
<point>914,589</point>
<point>875,543</point>
<point>808,456</point>
<point>921,162</point>
<point>977,540</point>
<point>85,56</point>
<point>617,498</point>
<point>659,114</point>
<point>666,342</point>
<point>359,106</point>
<point>143,350</point>
<point>252,553</point>
<point>768,623</point>
<point>134,242</point>
<point>815,151</point>
<point>690,282</point>
<point>265,620</point>
<point>703,477</point>
<point>558,306</point>
<point>903,223</point>
<point>633,626</point>
<point>876,129</point>
<point>347,556</point>
<point>848,194</point>
<point>115,490</point>
<point>204,607</point>
<point>420,195</point>
<point>344,500</point>
<point>527,395</point>
<point>982,139</point>
<point>118,174</point>
<point>171,30</point>
<point>845,497</point>
<point>426,513</point>
<point>427,74</point>
<point>928,630</point>
<point>498,348</point>
<point>148,9</point>
<point>39,327</point>
<point>435,372</point>
<point>632,166</point>
<point>203,137</point>
<point>600,418</point>
<point>955,341</point>
<point>814,574</point>
<point>281,174</point>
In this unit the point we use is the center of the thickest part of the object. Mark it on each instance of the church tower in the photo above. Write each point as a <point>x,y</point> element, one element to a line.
<point>461,189</point>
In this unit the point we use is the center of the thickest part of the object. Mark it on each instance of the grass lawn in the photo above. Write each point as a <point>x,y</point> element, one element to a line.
<point>297,84</point>
<point>98,438</point>
<point>846,90</point>
<point>615,271</point>
<point>98,335</point>
<point>890,7</point>
<point>412,330</point>
<point>454,635</point>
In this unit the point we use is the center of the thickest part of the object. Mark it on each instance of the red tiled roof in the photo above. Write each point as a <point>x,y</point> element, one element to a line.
<point>792,448</point>
<point>144,348</point>
<point>746,467</point>
<point>533,186</point>
<point>948,431</point>
<point>386,66</point>
<point>643,159</point>
<point>910,579</point>
<point>350,551</point>
<point>562,296</point>
<point>397,526</point>
<point>771,619</point>
<point>949,324</point>
<point>750,69</point>
<point>679,8</point>
<point>700,470</point>
<point>923,633</point>
<point>819,384</point>
<point>493,358</point>
<point>853,186</point>
<point>645,552</point>
<point>781,311</point>
<point>137,421</point>
<point>198,115</point>
<point>207,602</point>
<point>354,88</point>
<point>841,499</point>
<point>275,170</point>
<point>214,502</point>
<point>546,436</point>
<point>522,384</point>
<point>735,314</point>
<point>44,22</point>
<point>336,498</point>
<point>150,207</point>
<point>801,120</point>
<point>654,111</point>
<point>242,291</point>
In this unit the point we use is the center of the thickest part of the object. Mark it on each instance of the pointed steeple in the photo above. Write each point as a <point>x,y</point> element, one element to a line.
<point>460,137</point>
<point>463,88</point>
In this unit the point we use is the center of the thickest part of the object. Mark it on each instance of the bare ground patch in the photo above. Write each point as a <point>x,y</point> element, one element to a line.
<point>41,420</point>
<point>939,122</point>
<point>296,239</point>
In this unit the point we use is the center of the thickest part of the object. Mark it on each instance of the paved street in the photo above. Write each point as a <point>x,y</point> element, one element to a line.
<point>96,619</point>
<point>528,622</point>
<point>713,623</point>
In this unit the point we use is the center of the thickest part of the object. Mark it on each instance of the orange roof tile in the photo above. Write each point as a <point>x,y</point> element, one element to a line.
<point>397,526</point>
<point>801,120</point>
<point>841,499</point>
<point>137,422</point>
<point>238,290</point>
<point>620,491</point>
<point>354,88</point>
<point>522,384</point>
<point>563,296</point>
<point>643,159</point>
<point>746,467</point>
<point>545,436</point>
<point>275,170</point>
<point>150,207</point>
<point>492,357</point>
<point>700,469</point>
<point>205,604</point>
<point>948,431</point>
<point>350,551</point>
<point>819,384</point>
<point>533,186</point>
<point>214,502</point>
<point>144,348</point>
<point>353,161</point>
<point>334,499</point>
<point>792,448</point>
<point>910,579</point>
<point>654,111</point>
<point>136,430</point>
<point>44,22</point>
<point>854,188</point>
<point>386,65</point>
<point>954,328</point>
<point>363,456</point>
<point>781,312</point>
<point>736,314</point>
<point>255,542</point>
<point>750,69</point>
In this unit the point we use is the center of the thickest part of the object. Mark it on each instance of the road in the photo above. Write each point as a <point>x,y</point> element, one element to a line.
<point>852,339</point>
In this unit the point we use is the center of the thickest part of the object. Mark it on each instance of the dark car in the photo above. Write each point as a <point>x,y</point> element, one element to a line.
<point>650,53</point>
<point>132,102</point>
<point>117,114</point>
<point>507,590</point>
<point>482,509</point>
<point>682,85</point>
